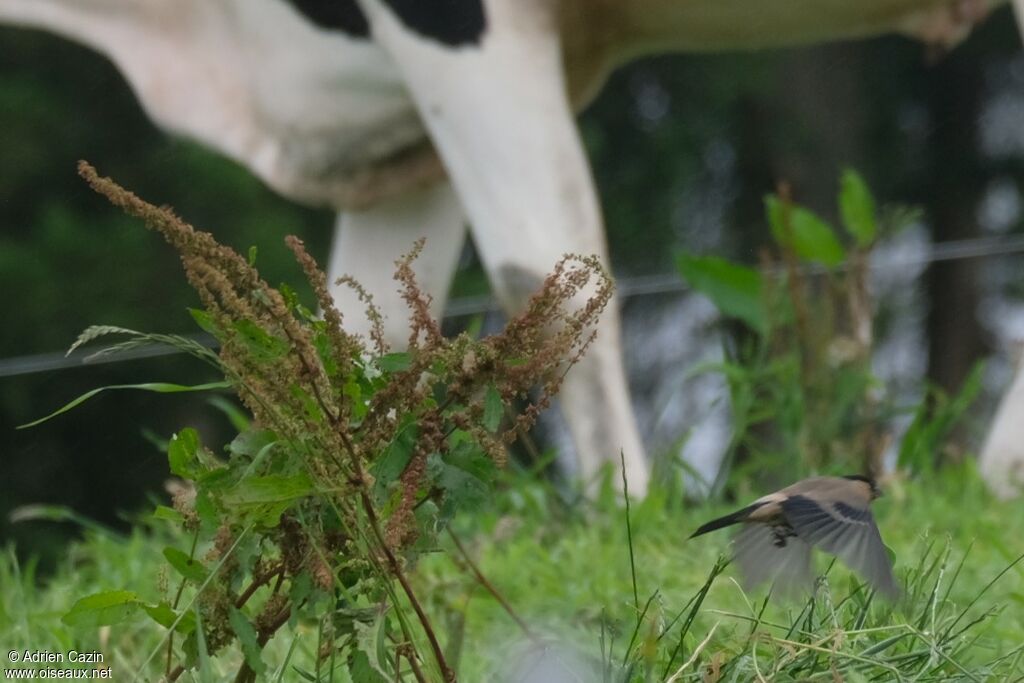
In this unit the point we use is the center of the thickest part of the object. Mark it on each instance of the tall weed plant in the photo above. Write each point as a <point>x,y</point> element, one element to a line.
<point>355,460</point>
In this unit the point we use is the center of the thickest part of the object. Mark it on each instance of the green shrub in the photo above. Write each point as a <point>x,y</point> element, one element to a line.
<point>798,365</point>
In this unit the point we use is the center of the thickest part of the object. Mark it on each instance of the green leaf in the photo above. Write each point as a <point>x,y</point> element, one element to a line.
<point>493,409</point>
<point>167,514</point>
<point>325,352</point>
<point>467,455</point>
<point>301,587</point>
<point>810,238</point>
<point>310,404</point>
<point>201,654</point>
<point>857,207</point>
<point>252,255</point>
<point>463,491</point>
<point>156,387</point>
<point>266,498</point>
<point>164,615</point>
<point>255,446</point>
<point>462,488</point>
<point>363,671</point>
<point>215,479</point>
<point>346,618</point>
<point>181,452</point>
<point>370,641</point>
<point>103,609</point>
<point>734,289</point>
<point>394,362</point>
<point>251,442</point>
<point>247,638</point>
<point>206,509</point>
<point>392,463</point>
<point>204,320</point>
<point>261,344</point>
<point>239,418</point>
<point>273,488</point>
<point>56,513</point>
<point>354,392</point>
<point>188,567</point>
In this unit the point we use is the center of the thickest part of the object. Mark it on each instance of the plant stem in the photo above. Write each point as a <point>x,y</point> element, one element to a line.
<point>410,655</point>
<point>396,569</point>
<point>177,600</point>
<point>256,584</point>
<point>629,534</point>
<point>245,672</point>
<point>280,620</point>
<point>483,581</point>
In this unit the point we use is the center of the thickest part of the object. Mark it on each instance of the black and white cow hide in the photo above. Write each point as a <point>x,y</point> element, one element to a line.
<point>417,117</point>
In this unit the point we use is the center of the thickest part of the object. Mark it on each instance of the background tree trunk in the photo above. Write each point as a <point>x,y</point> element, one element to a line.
<point>955,183</point>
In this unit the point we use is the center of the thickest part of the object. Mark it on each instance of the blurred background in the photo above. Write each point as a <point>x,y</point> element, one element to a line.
<point>683,148</point>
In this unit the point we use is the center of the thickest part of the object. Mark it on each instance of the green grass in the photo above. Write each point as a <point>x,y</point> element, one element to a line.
<point>565,569</point>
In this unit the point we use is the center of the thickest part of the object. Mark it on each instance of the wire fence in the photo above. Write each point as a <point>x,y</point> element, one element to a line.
<point>627,288</point>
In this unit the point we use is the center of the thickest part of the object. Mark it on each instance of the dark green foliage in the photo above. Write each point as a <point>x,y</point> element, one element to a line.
<point>737,290</point>
<point>922,448</point>
<point>798,230</point>
<point>857,208</point>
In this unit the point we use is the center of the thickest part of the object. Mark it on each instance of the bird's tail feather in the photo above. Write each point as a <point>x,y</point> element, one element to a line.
<point>728,520</point>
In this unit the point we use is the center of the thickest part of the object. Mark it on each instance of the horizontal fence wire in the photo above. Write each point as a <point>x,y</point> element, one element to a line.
<point>627,288</point>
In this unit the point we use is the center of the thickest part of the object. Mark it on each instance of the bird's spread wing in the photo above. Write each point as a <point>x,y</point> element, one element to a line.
<point>846,531</point>
<point>767,553</point>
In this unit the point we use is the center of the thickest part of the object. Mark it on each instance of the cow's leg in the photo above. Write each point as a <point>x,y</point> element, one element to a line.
<point>1002,456</point>
<point>497,110</point>
<point>945,26</point>
<point>368,242</point>
<point>1018,14</point>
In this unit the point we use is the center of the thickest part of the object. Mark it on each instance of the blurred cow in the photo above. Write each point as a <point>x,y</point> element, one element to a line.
<point>1002,454</point>
<point>414,117</point>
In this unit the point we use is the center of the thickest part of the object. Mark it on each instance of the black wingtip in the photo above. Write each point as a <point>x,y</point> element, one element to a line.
<point>725,521</point>
<point>710,526</point>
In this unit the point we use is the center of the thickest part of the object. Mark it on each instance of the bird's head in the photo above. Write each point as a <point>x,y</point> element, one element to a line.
<point>870,481</point>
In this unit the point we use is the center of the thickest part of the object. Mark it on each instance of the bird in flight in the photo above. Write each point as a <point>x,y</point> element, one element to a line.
<point>828,513</point>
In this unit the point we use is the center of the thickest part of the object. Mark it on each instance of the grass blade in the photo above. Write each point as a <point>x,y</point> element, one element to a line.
<point>157,387</point>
